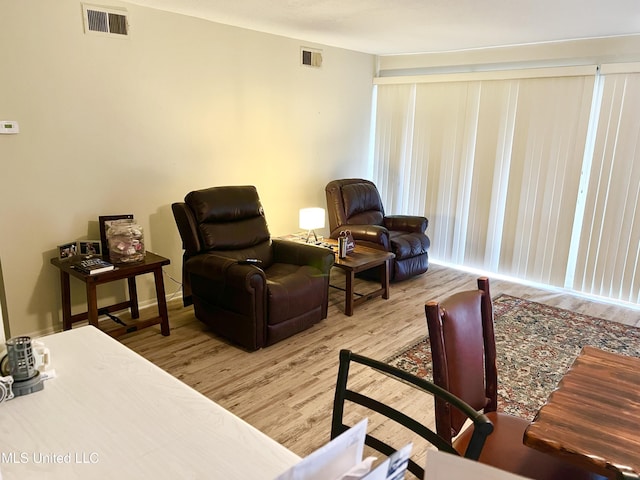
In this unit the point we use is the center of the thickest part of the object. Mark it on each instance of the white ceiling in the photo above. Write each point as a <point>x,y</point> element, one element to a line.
<point>418,26</point>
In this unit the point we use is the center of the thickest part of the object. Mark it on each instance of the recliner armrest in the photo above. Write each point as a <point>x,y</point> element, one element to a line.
<point>375,234</point>
<point>286,251</point>
<point>407,223</point>
<point>224,270</point>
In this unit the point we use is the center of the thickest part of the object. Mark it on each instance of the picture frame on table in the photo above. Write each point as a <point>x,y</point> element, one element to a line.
<point>103,221</point>
<point>90,248</point>
<point>67,250</point>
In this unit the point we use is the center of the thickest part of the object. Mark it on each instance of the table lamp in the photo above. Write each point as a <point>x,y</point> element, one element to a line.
<point>310,219</point>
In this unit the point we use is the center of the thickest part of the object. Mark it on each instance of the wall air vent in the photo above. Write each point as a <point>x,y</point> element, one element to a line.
<point>105,20</point>
<point>311,57</point>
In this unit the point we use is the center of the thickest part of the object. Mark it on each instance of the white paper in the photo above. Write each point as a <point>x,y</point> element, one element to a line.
<point>394,467</point>
<point>360,470</point>
<point>378,473</point>
<point>332,460</point>
<point>398,463</point>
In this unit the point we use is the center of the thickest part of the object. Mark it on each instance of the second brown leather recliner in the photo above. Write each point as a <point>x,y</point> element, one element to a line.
<point>354,204</point>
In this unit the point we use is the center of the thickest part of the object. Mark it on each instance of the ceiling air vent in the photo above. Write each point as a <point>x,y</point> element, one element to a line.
<point>310,57</point>
<point>105,20</point>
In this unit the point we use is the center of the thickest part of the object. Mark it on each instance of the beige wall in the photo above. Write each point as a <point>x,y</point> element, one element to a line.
<point>131,125</point>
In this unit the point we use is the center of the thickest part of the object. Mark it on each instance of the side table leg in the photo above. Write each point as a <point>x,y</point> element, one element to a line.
<point>385,280</point>
<point>162,301</point>
<point>66,300</point>
<point>349,300</point>
<point>92,304</point>
<point>133,297</point>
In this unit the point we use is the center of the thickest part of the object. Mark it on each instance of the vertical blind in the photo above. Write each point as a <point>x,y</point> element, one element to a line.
<point>609,246</point>
<point>536,178</point>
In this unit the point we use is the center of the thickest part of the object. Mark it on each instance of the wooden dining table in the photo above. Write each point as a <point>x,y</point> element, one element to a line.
<point>592,419</point>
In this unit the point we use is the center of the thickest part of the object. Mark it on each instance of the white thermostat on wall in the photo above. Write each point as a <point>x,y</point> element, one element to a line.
<point>8,127</point>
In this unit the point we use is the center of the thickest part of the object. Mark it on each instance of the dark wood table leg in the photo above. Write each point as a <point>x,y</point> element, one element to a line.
<point>385,279</point>
<point>349,301</point>
<point>66,300</point>
<point>133,297</point>
<point>162,301</point>
<point>92,304</point>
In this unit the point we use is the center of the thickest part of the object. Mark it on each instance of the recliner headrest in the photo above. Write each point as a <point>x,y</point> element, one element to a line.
<point>360,197</point>
<point>224,204</point>
<point>228,218</point>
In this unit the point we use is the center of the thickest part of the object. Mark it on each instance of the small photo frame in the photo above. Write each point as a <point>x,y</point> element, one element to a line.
<point>90,248</point>
<point>67,250</point>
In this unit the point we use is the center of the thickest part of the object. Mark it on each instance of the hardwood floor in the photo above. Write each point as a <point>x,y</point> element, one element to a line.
<point>286,390</point>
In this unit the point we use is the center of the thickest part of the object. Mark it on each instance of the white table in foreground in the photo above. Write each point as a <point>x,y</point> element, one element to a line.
<point>110,413</point>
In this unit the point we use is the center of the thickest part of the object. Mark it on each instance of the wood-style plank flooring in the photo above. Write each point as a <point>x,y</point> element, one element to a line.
<point>286,390</point>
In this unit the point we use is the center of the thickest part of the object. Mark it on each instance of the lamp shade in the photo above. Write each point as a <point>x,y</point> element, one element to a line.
<point>311,218</point>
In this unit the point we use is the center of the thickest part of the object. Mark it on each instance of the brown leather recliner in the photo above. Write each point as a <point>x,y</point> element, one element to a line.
<point>354,204</point>
<point>252,305</point>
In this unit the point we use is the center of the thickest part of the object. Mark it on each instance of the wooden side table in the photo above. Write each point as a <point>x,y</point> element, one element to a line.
<point>361,259</point>
<point>152,263</point>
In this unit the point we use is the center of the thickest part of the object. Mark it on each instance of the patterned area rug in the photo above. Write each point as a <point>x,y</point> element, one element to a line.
<point>535,344</point>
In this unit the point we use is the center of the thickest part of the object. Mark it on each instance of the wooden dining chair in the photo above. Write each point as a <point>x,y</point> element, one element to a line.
<point>343,394</point>
<point>463,350</point>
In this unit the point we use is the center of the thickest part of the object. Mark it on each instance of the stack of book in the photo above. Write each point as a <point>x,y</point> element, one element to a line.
<point>93,266</point>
